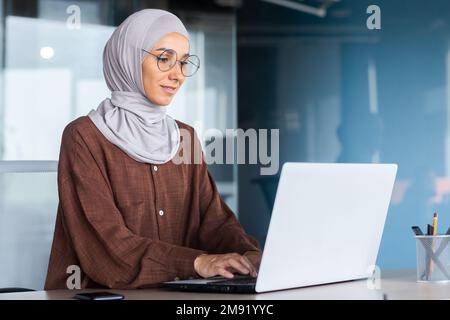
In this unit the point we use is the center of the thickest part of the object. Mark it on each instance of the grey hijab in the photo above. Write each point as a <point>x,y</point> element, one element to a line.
<point>129,120</point>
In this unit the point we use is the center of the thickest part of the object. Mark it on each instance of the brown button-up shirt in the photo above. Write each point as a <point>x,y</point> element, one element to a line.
<point>128,224</point>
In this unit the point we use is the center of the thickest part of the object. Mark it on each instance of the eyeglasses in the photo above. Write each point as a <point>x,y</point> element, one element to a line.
<point>168,59</point>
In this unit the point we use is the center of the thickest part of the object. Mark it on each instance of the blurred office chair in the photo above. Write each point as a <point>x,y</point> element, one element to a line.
<point>28,204</point>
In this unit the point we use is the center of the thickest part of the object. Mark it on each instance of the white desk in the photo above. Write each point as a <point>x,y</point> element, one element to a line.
<point>395,284</point>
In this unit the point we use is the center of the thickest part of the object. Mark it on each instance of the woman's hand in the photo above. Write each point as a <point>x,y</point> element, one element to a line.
<point>209,265</point>
<point>254,257</point>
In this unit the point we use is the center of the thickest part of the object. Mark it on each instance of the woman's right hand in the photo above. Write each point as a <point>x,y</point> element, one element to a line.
<point>210,265</point>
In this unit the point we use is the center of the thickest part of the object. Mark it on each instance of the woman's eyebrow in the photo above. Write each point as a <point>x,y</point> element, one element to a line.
<point>162,49</point>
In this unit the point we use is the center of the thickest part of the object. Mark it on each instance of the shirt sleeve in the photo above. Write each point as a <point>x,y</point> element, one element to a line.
<point>220,230</point>
<point>108,252</point>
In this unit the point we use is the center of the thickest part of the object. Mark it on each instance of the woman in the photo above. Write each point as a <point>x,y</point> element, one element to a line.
<point>129,216</point>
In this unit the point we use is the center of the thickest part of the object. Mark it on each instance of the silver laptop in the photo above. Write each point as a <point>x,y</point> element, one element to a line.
<point>326,227</point>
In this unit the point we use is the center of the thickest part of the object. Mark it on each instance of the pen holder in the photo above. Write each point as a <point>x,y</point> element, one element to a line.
<point>433,258</point>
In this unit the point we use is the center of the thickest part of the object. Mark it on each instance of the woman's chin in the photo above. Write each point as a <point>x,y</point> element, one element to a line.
<point>163,102</point>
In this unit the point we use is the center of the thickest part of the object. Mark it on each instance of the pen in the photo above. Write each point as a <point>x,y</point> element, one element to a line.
<point>417,231</point>
<point>429,230</point>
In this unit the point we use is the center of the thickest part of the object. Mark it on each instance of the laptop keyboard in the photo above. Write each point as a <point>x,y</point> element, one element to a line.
<point>241,281</point>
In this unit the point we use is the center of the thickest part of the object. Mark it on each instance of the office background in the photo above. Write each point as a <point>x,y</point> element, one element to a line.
<point>337,91</point>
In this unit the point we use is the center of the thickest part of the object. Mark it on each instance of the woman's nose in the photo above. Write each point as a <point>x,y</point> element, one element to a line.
<point>175,73</point>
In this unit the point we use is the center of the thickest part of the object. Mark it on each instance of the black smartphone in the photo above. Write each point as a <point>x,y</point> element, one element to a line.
<point>99,295</point>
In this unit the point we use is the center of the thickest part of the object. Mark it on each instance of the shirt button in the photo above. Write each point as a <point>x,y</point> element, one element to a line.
<point>155,168</point>
<point>161,212</point>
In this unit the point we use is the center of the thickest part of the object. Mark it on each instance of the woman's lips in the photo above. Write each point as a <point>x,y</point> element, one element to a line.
<point>169,90</point>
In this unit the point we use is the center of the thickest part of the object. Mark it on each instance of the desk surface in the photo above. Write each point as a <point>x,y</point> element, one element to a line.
<point>394,284</point>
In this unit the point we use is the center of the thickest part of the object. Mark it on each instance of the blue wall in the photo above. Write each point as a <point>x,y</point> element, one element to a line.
<point>342,93</point>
